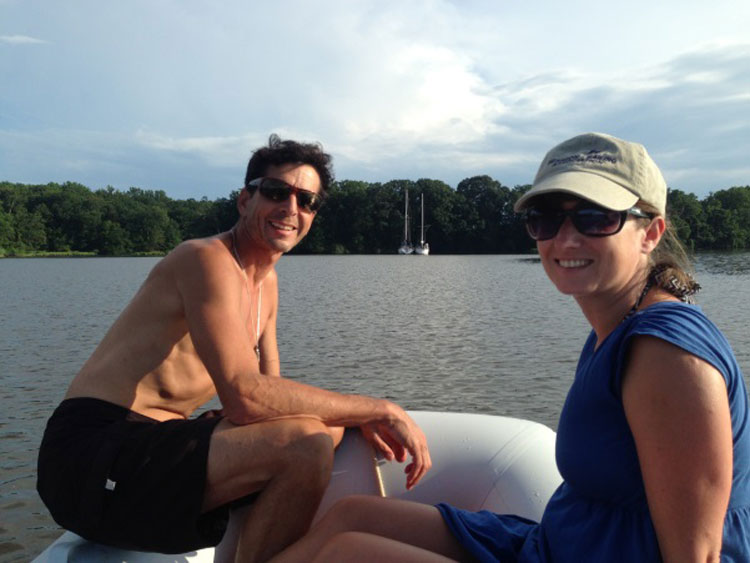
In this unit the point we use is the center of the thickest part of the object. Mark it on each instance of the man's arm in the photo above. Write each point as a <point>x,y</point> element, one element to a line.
<point>270,363</point>
<point>211,291</point>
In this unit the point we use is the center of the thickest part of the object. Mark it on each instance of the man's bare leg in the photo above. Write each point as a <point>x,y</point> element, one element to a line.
<point>227,550</point>
<point>288,462</point>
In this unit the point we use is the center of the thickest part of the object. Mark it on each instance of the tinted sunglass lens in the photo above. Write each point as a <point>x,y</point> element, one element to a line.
<point>594,222</point>
<point>275,190</point>
<point>597,222</point>
<point>543,225</point>
<point>312,202</point>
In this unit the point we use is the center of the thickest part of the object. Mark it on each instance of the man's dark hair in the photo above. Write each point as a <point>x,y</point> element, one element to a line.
<point>280,152</point>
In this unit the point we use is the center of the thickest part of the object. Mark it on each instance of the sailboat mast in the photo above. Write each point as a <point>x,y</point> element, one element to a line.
<point>406,246</point>
<point>421,231</point>
<point>406,215</point>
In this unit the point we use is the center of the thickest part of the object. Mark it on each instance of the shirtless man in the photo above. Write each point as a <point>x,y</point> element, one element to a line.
<point>122,464</point>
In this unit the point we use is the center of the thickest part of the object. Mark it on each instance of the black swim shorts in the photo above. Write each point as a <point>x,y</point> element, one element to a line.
<point>119,478</point>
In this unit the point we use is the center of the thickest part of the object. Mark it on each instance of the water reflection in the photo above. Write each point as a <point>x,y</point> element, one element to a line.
<point>727,263</point>
<point>462,333</point>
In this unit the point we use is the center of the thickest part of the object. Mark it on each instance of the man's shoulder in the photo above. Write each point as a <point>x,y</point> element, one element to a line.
<point>189,258</point>
<point>198,249</point>
<point>211,243</point>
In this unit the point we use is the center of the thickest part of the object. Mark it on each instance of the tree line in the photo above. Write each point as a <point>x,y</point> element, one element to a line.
<point>359,218</point>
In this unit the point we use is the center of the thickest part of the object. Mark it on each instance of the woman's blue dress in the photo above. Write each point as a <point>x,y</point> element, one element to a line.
<point>599,512</point>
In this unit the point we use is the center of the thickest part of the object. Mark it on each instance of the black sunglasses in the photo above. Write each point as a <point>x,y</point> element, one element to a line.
<point>543,224</point>
<point>278,190</point>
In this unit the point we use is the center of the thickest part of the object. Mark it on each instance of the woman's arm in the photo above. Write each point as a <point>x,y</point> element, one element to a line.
<point>678,410</point>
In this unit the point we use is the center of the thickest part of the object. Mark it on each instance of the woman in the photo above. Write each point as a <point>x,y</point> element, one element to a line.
<point>653,442</point>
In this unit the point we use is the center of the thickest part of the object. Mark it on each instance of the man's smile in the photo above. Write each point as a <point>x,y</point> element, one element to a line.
<point>282,226</point>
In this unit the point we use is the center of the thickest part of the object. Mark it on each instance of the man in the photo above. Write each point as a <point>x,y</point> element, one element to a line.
<point>122,464</point>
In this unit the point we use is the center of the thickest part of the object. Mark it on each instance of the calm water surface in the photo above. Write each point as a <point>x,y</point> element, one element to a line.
<point>459,333</point>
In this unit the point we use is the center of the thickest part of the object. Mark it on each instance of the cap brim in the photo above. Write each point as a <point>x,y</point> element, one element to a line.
<point>592,187</point>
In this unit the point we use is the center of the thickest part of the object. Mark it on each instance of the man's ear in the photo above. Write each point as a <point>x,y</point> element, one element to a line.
<point>653,234</point>
<point>242,199</point>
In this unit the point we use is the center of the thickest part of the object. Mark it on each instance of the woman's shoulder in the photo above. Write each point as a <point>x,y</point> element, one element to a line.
<point>672,315</point>
<point>686,326</point>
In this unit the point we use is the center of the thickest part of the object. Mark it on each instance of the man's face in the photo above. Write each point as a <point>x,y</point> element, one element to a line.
<point>279,225</point>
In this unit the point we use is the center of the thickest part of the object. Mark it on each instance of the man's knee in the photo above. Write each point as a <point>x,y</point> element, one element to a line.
<point>248,456</point>
<point>307,446</point>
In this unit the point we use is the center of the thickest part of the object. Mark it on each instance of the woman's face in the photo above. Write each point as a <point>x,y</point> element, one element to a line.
<point>582,266</point>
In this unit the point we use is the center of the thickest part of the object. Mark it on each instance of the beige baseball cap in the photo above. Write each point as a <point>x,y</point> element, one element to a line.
<point>605,170</point>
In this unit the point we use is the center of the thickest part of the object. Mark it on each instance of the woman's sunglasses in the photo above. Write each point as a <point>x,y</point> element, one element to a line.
<point>543,224</point>
<point>278,190</point>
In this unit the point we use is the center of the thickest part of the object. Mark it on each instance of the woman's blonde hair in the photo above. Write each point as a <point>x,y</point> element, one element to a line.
<point>670,266</point>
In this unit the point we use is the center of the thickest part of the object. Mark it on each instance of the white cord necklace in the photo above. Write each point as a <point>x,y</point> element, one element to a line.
<point>256,348</point>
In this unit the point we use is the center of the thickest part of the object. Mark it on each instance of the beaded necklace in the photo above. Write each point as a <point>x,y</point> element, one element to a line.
<point>683,292</point>
<point>634,308</point>
<point>256,347</point>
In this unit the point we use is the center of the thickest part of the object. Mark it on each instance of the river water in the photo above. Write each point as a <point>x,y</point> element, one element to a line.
<point>458,333</point>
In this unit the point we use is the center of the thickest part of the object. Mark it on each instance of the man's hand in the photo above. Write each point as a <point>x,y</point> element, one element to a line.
<point>397,437</point>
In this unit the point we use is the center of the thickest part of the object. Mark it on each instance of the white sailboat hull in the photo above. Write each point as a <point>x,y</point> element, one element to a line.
<point>406,246</point>
<point>423,248</point>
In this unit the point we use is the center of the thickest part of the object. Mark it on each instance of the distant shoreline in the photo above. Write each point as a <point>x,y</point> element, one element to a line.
<point>160,254</point>
<point>80,254</point>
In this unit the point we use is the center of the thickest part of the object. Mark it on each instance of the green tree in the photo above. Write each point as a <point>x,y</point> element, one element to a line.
<point>30,230</point>
<point>516,240</point>
<point>195,218</point>
<point>113,240</point>
<point>737,200</point>
<point>359,217</point>
<point>686,214</point>
<point>439,201</point>
<point>727,215</point>
<point>74,217</point>
<point>224,212</point>
<point>7,233</point>
<point>491,204</point>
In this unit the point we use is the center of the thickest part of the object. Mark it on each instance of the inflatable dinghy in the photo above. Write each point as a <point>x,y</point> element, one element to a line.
<point>496,463</point>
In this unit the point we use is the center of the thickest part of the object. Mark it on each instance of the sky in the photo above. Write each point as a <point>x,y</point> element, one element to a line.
<point>175,95</point>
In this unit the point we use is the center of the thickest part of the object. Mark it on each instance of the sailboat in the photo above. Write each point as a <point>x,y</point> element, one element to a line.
<point>406,246</point>
<point>423,248</point>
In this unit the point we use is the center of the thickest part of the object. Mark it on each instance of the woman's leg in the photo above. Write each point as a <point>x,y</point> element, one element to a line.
<point>359,547</point>
<point>410,523</point>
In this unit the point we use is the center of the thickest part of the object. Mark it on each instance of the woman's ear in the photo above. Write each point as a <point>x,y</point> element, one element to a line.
<point>653,234</point>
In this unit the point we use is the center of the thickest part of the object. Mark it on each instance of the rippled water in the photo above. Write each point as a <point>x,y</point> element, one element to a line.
<point>460,333</point>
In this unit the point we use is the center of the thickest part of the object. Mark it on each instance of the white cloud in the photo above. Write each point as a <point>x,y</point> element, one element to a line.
<point>20,40</point>
<point>219,151</point>
<point>392,89</point>
<point>425,94</point>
